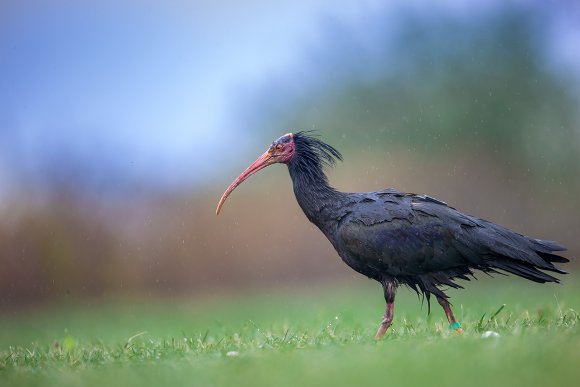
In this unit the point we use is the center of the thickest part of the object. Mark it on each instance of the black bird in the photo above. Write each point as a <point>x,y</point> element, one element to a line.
<point>400,238</point>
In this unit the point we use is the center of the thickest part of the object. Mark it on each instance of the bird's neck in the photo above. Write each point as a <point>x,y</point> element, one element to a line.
<point>312,191</point>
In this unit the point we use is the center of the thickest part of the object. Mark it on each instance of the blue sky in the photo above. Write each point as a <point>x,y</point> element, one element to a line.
<point>149,89</point>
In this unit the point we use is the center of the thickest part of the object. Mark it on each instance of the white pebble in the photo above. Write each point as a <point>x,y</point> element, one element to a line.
<point>487,334</point>
<point>232,353</point>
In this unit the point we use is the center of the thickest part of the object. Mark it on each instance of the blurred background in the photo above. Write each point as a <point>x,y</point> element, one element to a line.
<point>122,122</point>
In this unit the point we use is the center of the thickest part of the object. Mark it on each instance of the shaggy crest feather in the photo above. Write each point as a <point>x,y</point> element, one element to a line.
<point>312,156</point>
<point>314,150</point>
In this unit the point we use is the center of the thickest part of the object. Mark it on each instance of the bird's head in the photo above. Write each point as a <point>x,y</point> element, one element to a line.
<point>280,151</point>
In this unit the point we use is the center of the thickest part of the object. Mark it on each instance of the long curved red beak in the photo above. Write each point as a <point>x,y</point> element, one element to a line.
<point>262,162</point>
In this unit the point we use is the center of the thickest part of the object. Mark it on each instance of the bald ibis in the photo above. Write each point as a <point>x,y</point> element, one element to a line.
<point>400,238</point>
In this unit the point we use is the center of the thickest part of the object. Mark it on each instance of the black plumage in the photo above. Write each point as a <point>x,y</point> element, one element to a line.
<point>407,239</point>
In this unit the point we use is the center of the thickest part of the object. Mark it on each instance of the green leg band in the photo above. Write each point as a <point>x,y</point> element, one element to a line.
<point>455,326</point>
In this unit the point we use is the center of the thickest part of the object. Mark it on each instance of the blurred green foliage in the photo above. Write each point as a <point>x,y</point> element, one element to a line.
<point>436,84</point>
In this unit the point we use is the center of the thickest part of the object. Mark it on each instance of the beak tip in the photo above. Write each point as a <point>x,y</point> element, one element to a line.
<point>263,161</point>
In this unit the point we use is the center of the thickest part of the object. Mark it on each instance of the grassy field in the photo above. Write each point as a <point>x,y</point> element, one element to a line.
<point>314,336</point>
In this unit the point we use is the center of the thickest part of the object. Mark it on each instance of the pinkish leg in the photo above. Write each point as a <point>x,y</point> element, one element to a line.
<point>390,289</point>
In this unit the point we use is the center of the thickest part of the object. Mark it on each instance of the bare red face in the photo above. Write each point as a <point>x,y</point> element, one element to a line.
<point>281,151</point>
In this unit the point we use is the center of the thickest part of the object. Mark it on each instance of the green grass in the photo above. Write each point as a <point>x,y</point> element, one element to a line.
<point>310,337</point>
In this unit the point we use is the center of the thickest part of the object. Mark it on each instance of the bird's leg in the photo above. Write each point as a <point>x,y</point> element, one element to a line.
<point>453,323</point>
<point>390,289</point>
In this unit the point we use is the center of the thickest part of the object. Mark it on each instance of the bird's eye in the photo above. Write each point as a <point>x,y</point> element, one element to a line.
<point>279,147</point>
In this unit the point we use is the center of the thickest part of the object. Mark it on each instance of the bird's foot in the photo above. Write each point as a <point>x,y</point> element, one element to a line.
<point>385,324</point>
<point>456,327</point>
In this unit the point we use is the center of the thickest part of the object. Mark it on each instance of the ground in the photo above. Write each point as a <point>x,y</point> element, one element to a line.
<point>314,336</point>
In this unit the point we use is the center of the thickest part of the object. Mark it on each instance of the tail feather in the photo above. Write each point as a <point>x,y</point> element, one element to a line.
<point>524,270</point>
<point>543,246</point>
<point>553,257</point>
<point>522,255</point>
